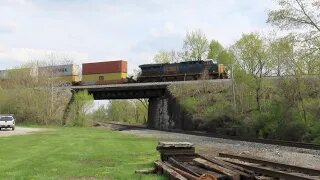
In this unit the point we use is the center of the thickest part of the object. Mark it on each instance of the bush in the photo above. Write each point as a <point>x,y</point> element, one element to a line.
<point>190,104</point>
<point>292,131</point>
<point>78,116</point>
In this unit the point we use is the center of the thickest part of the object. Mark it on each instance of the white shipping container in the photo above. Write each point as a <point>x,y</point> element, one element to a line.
<point>3,74</point>
<point>13,73</point>
<point>61,70</point>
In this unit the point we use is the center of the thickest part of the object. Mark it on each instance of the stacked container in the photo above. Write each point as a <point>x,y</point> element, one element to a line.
<point>65,73</point>
<point>108,72</point>
<point>18,73</point>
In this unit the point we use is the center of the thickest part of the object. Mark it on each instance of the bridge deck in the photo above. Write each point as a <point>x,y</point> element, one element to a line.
<point>135,90</point>
<point>150,84</point>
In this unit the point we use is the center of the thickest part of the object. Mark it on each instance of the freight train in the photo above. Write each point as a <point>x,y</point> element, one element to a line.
<point>115,72</point>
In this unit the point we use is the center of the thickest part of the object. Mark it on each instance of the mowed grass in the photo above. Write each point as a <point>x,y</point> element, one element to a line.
<point>76,153</point>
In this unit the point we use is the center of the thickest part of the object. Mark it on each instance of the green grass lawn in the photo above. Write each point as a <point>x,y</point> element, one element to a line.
<point>76,153</point>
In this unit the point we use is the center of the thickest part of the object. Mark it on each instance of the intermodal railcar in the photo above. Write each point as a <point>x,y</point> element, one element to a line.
<point>108,72</point>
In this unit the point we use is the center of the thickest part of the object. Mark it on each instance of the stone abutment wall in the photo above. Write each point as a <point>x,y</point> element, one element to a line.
<point>166,113</point>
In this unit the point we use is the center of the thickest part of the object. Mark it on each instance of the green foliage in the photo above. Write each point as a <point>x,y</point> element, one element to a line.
<point>80,108</point>
<point>315,133</point>
<point>77,153</point>
<point>164,56</point>
<point>289,107</point>
<point>226,57</point>
<point>203,100</point>
<point>250,53</point>
<point>195,46</point>
<point>216,110</point>
<point>292,131</point>
<point>215,48</point>
<point>130,111</point>
<point>100,114</point>
<point>120,110</point>
<point>220,54</point>
<point>190,104</point>
<point>32,105</point>
<point>286,107</point>
<point>292,16</point>
<point>280,52</point>
<point>33,98</point>
<point>296,14</point>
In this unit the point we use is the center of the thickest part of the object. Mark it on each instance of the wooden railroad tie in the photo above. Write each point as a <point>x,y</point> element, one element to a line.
<point>179,162</point>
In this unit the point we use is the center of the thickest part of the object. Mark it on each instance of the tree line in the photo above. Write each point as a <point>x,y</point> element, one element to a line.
<point>42,98</point>
<point>276,79</point>
<point>275,90</point>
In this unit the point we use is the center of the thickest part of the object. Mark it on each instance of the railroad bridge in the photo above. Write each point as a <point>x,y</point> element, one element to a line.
<point>164,112</point>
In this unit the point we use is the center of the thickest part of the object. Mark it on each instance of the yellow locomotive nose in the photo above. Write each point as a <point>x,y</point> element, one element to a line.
<point>221,69</point>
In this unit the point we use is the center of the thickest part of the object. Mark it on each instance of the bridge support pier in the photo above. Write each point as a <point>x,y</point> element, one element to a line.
<point>165,112</point>
<point>158,113</point>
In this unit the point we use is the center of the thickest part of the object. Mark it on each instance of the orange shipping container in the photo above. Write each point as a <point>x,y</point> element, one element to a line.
<point>119,66</point>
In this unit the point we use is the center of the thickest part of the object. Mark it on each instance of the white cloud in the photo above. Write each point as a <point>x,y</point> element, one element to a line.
<point>20,56</point>
<point>13,2</point>
<point>7,28</point>
<point>133,30</point>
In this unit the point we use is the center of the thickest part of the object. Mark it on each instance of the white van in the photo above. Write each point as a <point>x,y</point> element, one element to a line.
<point>7,121</point>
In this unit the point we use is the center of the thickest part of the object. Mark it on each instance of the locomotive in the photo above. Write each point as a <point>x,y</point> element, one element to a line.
<point>115,72</point>
<point>183,71</point>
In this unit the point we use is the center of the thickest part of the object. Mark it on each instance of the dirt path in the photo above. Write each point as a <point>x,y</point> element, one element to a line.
<point>18,131</point>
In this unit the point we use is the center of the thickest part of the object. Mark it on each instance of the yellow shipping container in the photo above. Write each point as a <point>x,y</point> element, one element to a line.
<point>100,78</point>
<point>68,79</point>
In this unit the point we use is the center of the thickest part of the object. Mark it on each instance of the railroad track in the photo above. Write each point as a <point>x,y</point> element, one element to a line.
<point>272,169</point>
<point>119,126</point>
<point>125,126</point>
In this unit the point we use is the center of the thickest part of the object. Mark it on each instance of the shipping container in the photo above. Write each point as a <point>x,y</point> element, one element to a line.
<point>18,73</point>
<point>3,74</point>
<point>69,79</point>
<point>60,70</point>
<point>108,78</point>
<point>119,66</point>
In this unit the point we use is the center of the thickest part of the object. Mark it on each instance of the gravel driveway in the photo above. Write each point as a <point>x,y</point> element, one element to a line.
<point>18,131</point>
<point>212,146</point>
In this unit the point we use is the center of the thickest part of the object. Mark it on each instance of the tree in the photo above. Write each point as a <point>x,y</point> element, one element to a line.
<point>250,55</point>
<point>302,18</point>
<point>280,52</point>
<point>219,53</point>
<point>100,114</point>
<point>297,14</point>
<point>131,111</point>
<point>226,57</point>
<point>215,48</point>
<point>81,105</point>
<point>195,46</point>
<point>164,56</point>
<point>29,96</point>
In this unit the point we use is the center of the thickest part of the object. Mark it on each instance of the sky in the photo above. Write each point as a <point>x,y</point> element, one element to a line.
<point>134,30</point>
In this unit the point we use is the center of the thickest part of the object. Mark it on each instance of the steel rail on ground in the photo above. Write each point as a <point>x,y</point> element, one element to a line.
<point>236,138</point>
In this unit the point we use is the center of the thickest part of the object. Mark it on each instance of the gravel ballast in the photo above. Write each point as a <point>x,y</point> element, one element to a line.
<point>212,146</point>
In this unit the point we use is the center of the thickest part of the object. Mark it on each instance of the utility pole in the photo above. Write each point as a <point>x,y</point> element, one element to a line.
<point>233,88</point>
<point>51,69</point>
